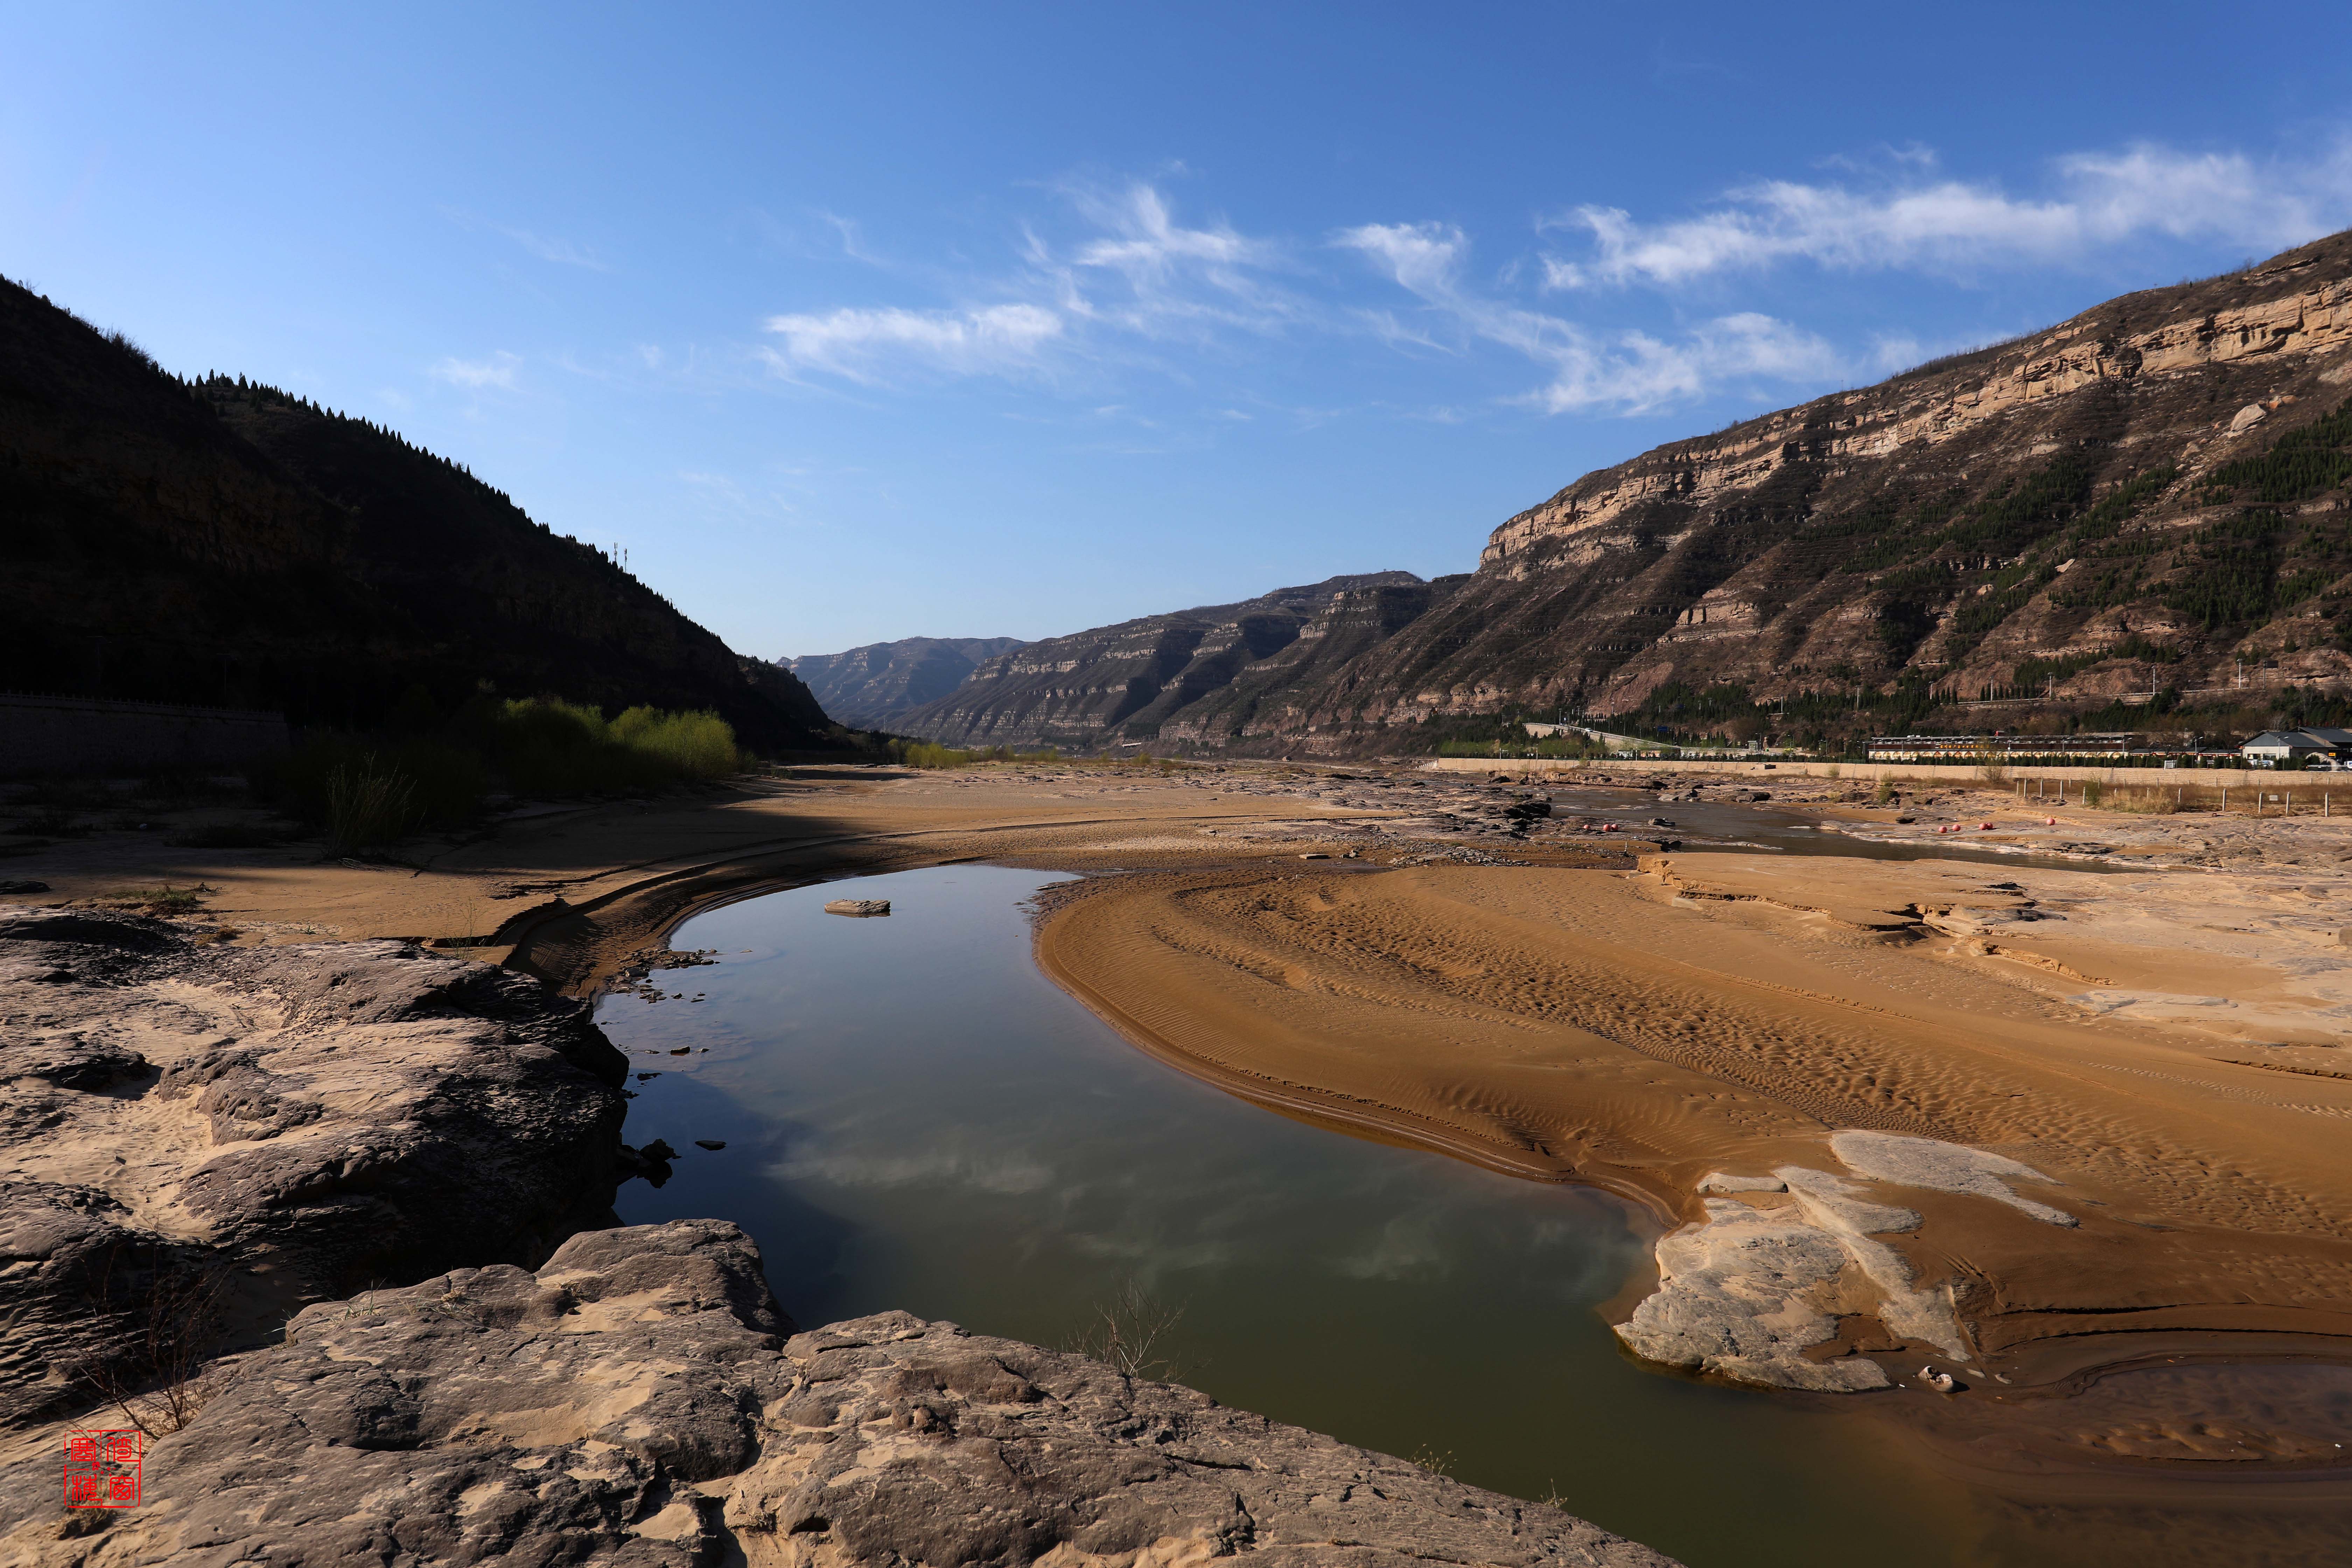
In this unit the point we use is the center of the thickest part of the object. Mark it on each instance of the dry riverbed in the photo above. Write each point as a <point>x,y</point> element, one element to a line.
<point>2058,1093</point>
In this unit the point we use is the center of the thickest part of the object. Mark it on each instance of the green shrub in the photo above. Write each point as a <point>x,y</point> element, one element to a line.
<point>363,792</point>
<point>445,784</point>
<point>369,805</point>
<point>932,754</point>
<point>929,754</point>
<point>546,746</point>
<point>694,745</point>
<point>2299,465</point>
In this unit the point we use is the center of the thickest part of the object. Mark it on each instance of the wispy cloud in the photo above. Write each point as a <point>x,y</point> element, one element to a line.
<point>866,345</point>
<point>1113,280</point>
<point>1164,274</point>
<point>1134,275</point>
<point>2100,199</point>
<point>1631,369</point>
<point>498,371</point>
<point>723,495</point>
<point>562,252</point>
<point>547,247</point>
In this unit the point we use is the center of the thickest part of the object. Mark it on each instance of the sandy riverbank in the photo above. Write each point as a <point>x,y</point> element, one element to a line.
<point>572,891</point>
<point>2066,1119</point>
<point>2152,1041</point>
<point>2111,1102</point>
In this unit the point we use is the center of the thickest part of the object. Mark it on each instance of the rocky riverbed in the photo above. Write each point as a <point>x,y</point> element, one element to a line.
<point>641,1400</point>
<point>200,1139</point>
<point>302,1213</point>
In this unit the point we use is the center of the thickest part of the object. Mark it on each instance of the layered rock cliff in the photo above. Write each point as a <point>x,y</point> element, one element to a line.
<point>2141,496</point>
<point>227,543</point>
<point>2151,495</point>
<point>870,686</point>
<point>1190,674</point>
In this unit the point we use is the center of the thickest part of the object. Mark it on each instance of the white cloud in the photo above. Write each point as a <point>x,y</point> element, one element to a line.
<point>1134,275</point>
<point>2102,199</point>
<point>1147,274</point>
<point>499,371</point>
<point>862,344</point>
<point>1631,369</point>
<point>1146,241</point>
<point>1114,279</point>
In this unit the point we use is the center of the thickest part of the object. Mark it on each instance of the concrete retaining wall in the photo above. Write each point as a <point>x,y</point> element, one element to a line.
<point>86,735</point>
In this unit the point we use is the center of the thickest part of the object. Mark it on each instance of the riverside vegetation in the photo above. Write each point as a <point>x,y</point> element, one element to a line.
<point>366,790</point>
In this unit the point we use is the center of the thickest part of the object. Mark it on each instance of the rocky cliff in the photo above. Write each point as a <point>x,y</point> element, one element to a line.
<point>1189,674</point>
<point>870,686</point>
<point>227,543</point>
<point>2141,497</point>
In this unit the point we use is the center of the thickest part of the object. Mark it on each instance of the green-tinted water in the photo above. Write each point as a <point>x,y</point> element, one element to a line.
<point>916,1118</point>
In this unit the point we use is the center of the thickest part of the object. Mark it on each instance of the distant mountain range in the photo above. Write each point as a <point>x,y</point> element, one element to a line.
<point>2150,496</point>
<point>870,686</point>
<point>225,543</point>
<point>1201,674</point>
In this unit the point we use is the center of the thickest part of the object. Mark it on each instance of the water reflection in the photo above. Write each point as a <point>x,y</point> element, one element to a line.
<point>915,1117</point>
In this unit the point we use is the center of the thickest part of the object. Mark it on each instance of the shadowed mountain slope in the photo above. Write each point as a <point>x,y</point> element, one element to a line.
<point>1173,674</point>
<point>870,687</point>
<point>229,544</point>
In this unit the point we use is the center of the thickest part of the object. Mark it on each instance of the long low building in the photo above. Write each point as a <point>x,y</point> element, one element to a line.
<point>2110,747</point>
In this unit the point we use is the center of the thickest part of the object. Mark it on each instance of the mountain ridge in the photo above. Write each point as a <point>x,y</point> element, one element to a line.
<point>2132,505</point>
<point>1127,680</point>
<point>870,685</point>
<point>226,542</point>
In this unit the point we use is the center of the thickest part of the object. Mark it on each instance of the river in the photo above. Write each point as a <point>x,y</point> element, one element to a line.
<point>915,1117</point>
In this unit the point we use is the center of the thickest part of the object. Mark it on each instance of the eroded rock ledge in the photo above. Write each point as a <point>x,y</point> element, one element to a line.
<point>636,1402</point>
<point>203,1132</point>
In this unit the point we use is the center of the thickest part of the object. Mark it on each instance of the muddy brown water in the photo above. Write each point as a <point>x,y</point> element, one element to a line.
<point>915,1117</point>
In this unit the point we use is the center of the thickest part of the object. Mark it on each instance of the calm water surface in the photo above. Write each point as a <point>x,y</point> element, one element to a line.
<point>916,1118</point>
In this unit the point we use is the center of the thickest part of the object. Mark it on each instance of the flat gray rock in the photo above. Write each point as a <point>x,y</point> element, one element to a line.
<point>636,1402</point>
<point>858,907</point>
<point>215,1135</point>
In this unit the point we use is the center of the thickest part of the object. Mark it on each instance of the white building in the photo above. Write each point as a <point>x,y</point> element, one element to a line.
<point>2288,747</point>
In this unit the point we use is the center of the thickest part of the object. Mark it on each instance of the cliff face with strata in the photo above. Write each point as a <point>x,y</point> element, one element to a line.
<point>1197,674</point>
<point>2136,497</point>
<point>2150,495</point>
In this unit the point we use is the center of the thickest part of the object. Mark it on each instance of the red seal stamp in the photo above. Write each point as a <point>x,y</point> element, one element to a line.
<point>103,1467</point>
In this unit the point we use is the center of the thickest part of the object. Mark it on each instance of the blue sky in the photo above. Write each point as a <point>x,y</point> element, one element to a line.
<point>875,320</point>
